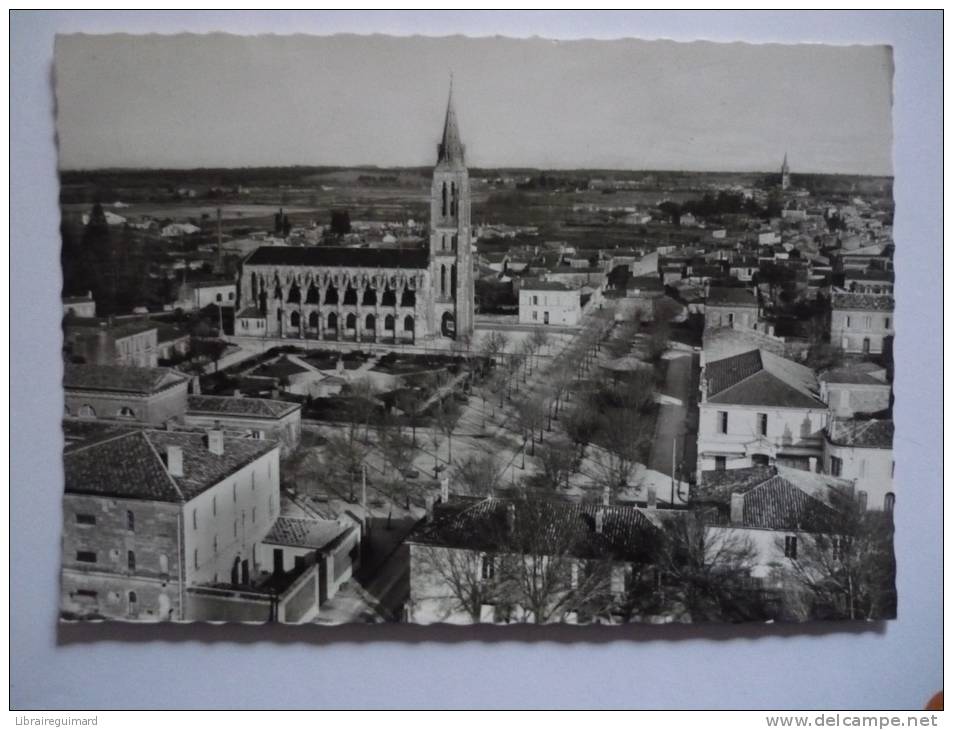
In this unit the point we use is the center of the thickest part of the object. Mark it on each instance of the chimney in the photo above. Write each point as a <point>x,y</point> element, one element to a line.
<point>173,461</point>
<point>216,441</point>
<point>652,499</point>
<point>737,508</point>
<point>445,490</point>
<point>812,464</point>
<point>237,393</point>
<point>510,517</point>
<point>600,520</point>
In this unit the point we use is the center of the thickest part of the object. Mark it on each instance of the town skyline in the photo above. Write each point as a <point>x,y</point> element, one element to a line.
<point>289,94</point>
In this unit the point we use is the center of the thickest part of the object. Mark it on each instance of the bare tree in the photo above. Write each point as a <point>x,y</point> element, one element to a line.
<point>538,339</point>
<point>846,563</point>
<point>582,425</point>
<point>410,401</point>
<point>344,455</point>
<point>447,414</point>
<point>493,345</point>
<point>479,475</point>
<point>558,461</point>
<point>460,579</point>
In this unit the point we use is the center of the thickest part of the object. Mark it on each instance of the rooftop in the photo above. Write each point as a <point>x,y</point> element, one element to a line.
<point>864,302</point>
<point>860,374</point>
<point>122,328</point>
<point>541,527</point>
<point>369,258</point>
<point>733,296</point>
<point>231,406</point>
<point>312,534</point>
<point>760,378</point>
<point>869,434</point>
<point>539,285</point>
<point>132,465</point>
<point>120,378</point>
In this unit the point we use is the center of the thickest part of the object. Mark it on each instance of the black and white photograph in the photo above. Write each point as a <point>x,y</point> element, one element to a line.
<point>450,330</point>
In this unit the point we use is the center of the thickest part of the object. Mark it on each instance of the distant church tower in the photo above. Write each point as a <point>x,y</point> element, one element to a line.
<point>785,173</point>
<point>451,265</point>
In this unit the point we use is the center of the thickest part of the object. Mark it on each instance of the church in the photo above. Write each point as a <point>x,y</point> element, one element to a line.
<point>374,295</point>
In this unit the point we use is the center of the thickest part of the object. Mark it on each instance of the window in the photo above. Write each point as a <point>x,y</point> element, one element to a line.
<point>130,521</point>
<point>214,505</point>
<point>195,519</point>
<point>231,296</point>
<point>133,600</point>
<point>85,519</point>
<point>235,492</point>
<point>195,558</point>
<point>886,323</point>
<point>218,297</point>
<point>86,556</point>
<point>836,466</point>
<point>790,547</point>
<point>848,320</point>
<point>131,560</point>
<point>731,318</point>
<point>867,322</point>
<point>889,501</point>
<point>535,315</point>
<point>535,300</point>
<point>126,412</point>
<point>763,424</point>
<point>723,421</point>
<point>487,568</point>
<point>86,593</point>
<point>720,463</point>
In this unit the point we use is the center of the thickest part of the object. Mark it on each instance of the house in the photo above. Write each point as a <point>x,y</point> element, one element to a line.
<point>774,509</point>
<point>470,548</point>
<point>240,417</point>
<point>861,322</point>
<point>726,306</point>
<point>549,302</point>
<point>83,306</point>
<point>250,321</point>
<point>151,515</point>
<point>153,396</point>
<point>743,268</point>
<point>196,295</point>
<point>855,389</point>
<point>721,342</point>
<point>106,342</point>
<point>862,451</point>
<point>757,408</point>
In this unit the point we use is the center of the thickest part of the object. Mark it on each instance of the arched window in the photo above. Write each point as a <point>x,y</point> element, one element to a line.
<point>126,412</point>
<point>389,323</point>
<point>277,291</point>
<point>218,297</point>
<point>163,564</point>
<point>294,294</point>
<point>388,298</point>
<point>453,199</point>
<point>447,325</point>
<point>408,298</point>
<point>87,411</point>
<point>369,323</point>
<point>333,321</point>
<point>443,206</point>
<point>443,242</point>
<point>295,319</point>
<point>408,324</point>
<point>313,320</point>
<point>133,600</point>
<point>370,297</point>
<point>130,520</point>
<point>131,559</point>
<point>350,322</point>
<point>254,286</point>
<point>313,296</point>
<point>453,280</point>
<point>889,500</point>
<point>350,295</point>
<point>331,295</point>
<point>443,280</point>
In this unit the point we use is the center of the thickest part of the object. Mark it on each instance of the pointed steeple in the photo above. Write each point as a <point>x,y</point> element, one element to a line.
<point>784,165</point>
<point>450,151</point>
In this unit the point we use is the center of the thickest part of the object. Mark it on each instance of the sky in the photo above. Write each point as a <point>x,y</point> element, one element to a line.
<point>220,100</point>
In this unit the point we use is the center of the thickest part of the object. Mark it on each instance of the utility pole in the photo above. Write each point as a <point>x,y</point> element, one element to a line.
<point>674,445</point>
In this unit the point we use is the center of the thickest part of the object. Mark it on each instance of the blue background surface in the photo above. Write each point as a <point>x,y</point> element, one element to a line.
<point>888,666</point>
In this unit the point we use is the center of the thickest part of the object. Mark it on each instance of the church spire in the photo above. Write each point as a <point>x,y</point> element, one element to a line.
<point>450,150</point>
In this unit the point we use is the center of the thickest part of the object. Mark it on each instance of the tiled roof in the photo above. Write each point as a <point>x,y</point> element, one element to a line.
<point>869,275</point>
<point>853,374</point>
<point>760,378</point>
<point>120,378</point>
<point>543,527</point>
<point>721,296</point>
<point>870,434</point>
<point>77,434</point>
<point>280,368</point>
<point>132,465</point>
<point>371,258</point>
<point>230,406</point>
<point>538,285</point>
<point>89,325</point>
<point>297,532</point>
<point>772,500</point>
<point>250,312</point>
<point>864,302</point>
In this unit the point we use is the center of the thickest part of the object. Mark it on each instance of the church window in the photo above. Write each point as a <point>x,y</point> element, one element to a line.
<point>408,323</point>
<point>443,280</point>
<point>443,206</point>
<point>332,321</point>
<point>295,319</point>
<point>351,321</point>
<point>389,323</point>
<point>313,320</point>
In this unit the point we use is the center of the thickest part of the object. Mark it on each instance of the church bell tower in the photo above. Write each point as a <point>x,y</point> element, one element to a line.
<point>451,264</point>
